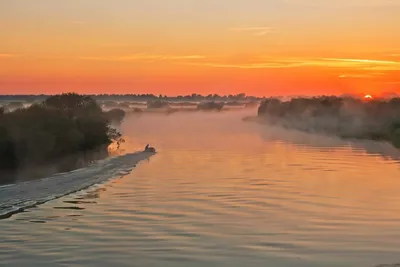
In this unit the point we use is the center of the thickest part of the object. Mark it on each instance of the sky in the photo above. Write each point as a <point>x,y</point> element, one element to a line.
<point>259,47</point>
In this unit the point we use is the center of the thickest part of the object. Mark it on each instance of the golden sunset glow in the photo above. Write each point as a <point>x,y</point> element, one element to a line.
<point>276,47</point>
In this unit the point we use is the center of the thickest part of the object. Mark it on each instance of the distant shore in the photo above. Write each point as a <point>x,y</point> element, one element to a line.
<point>347,118</point>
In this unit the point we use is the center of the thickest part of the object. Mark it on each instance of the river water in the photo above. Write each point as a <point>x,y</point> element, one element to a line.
<point>219,192</point>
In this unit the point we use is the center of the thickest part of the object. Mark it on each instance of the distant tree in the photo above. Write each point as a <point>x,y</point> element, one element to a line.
<point>343,116</point>
<point>210,106</point>
<point>240,96</point>
<point>115,115</point>
<point>157,104</point>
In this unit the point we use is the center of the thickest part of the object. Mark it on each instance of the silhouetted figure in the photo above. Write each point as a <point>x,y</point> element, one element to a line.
<point>149,149</point>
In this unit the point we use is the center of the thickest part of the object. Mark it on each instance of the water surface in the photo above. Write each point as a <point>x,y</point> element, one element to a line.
<point>220,192</point>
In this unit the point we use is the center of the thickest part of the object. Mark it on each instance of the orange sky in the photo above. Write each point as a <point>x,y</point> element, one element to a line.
<point>259,47</point>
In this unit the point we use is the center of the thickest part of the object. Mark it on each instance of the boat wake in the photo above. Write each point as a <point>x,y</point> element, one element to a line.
<point>16,198</point>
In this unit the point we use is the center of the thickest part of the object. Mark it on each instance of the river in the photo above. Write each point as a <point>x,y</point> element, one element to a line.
<point>219,192</point>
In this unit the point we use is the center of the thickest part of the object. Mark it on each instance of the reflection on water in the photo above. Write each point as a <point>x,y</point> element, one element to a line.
<point>79,202</point>
<point>221,192</point>
<point>61,165</point>
<point>327,143</point>
<point>93,194</point>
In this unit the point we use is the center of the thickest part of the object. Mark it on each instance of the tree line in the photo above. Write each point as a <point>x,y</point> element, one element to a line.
<point>376,119</point>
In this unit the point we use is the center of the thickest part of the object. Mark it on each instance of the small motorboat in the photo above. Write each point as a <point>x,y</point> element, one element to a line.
<point>149,149</point>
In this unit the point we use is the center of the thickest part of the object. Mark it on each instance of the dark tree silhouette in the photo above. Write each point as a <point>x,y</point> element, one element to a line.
<point>210,106</point>
<point>61,125</point>
<point>115,115</point>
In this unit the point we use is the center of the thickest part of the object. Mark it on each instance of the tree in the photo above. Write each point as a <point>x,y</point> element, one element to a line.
<point>115,115</point>
<point>73,104</point>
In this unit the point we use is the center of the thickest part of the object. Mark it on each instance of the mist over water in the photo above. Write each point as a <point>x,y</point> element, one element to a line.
<point>219,192</point>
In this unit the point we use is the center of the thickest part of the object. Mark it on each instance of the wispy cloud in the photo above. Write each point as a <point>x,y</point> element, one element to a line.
<point>367,61</point>
<point>267,65</point>
<point>141,56</point>
<point>8,55</point>
<point>377,66</point>
<point>78,22</point>
<point>360,76</point>
<point>256,30</point>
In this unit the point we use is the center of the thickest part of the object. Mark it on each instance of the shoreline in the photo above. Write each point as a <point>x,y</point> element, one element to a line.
<point>286,125</point>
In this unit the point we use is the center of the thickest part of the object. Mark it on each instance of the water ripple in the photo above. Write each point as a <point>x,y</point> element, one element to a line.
<point>18,197</point>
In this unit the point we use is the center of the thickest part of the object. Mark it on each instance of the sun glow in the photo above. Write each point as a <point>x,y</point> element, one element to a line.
<point>368,97</point>
<point>200,46</point>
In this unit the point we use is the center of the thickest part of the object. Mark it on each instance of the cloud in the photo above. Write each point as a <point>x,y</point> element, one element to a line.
<point>362,76</point>
<point>256,30</point>
<point>378,66</point>
<point>367,61</point>
<point>8,55</point>
<point>266,65</point>
<point>143,56</point>
<point>78,22</point>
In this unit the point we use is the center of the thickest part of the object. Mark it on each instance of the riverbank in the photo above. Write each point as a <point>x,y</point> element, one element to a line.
<point>290,125</point>
<point>347,118</point>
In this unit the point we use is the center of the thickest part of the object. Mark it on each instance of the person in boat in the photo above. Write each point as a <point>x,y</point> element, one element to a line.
<point>149,149</point>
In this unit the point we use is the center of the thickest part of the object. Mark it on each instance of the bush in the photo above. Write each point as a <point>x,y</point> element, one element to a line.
<point>61,125</point>
<point>234,104</point>
<point>115,115</point>
<point>157,104</point>
<point>184,104</point>
<point>210,106</point>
